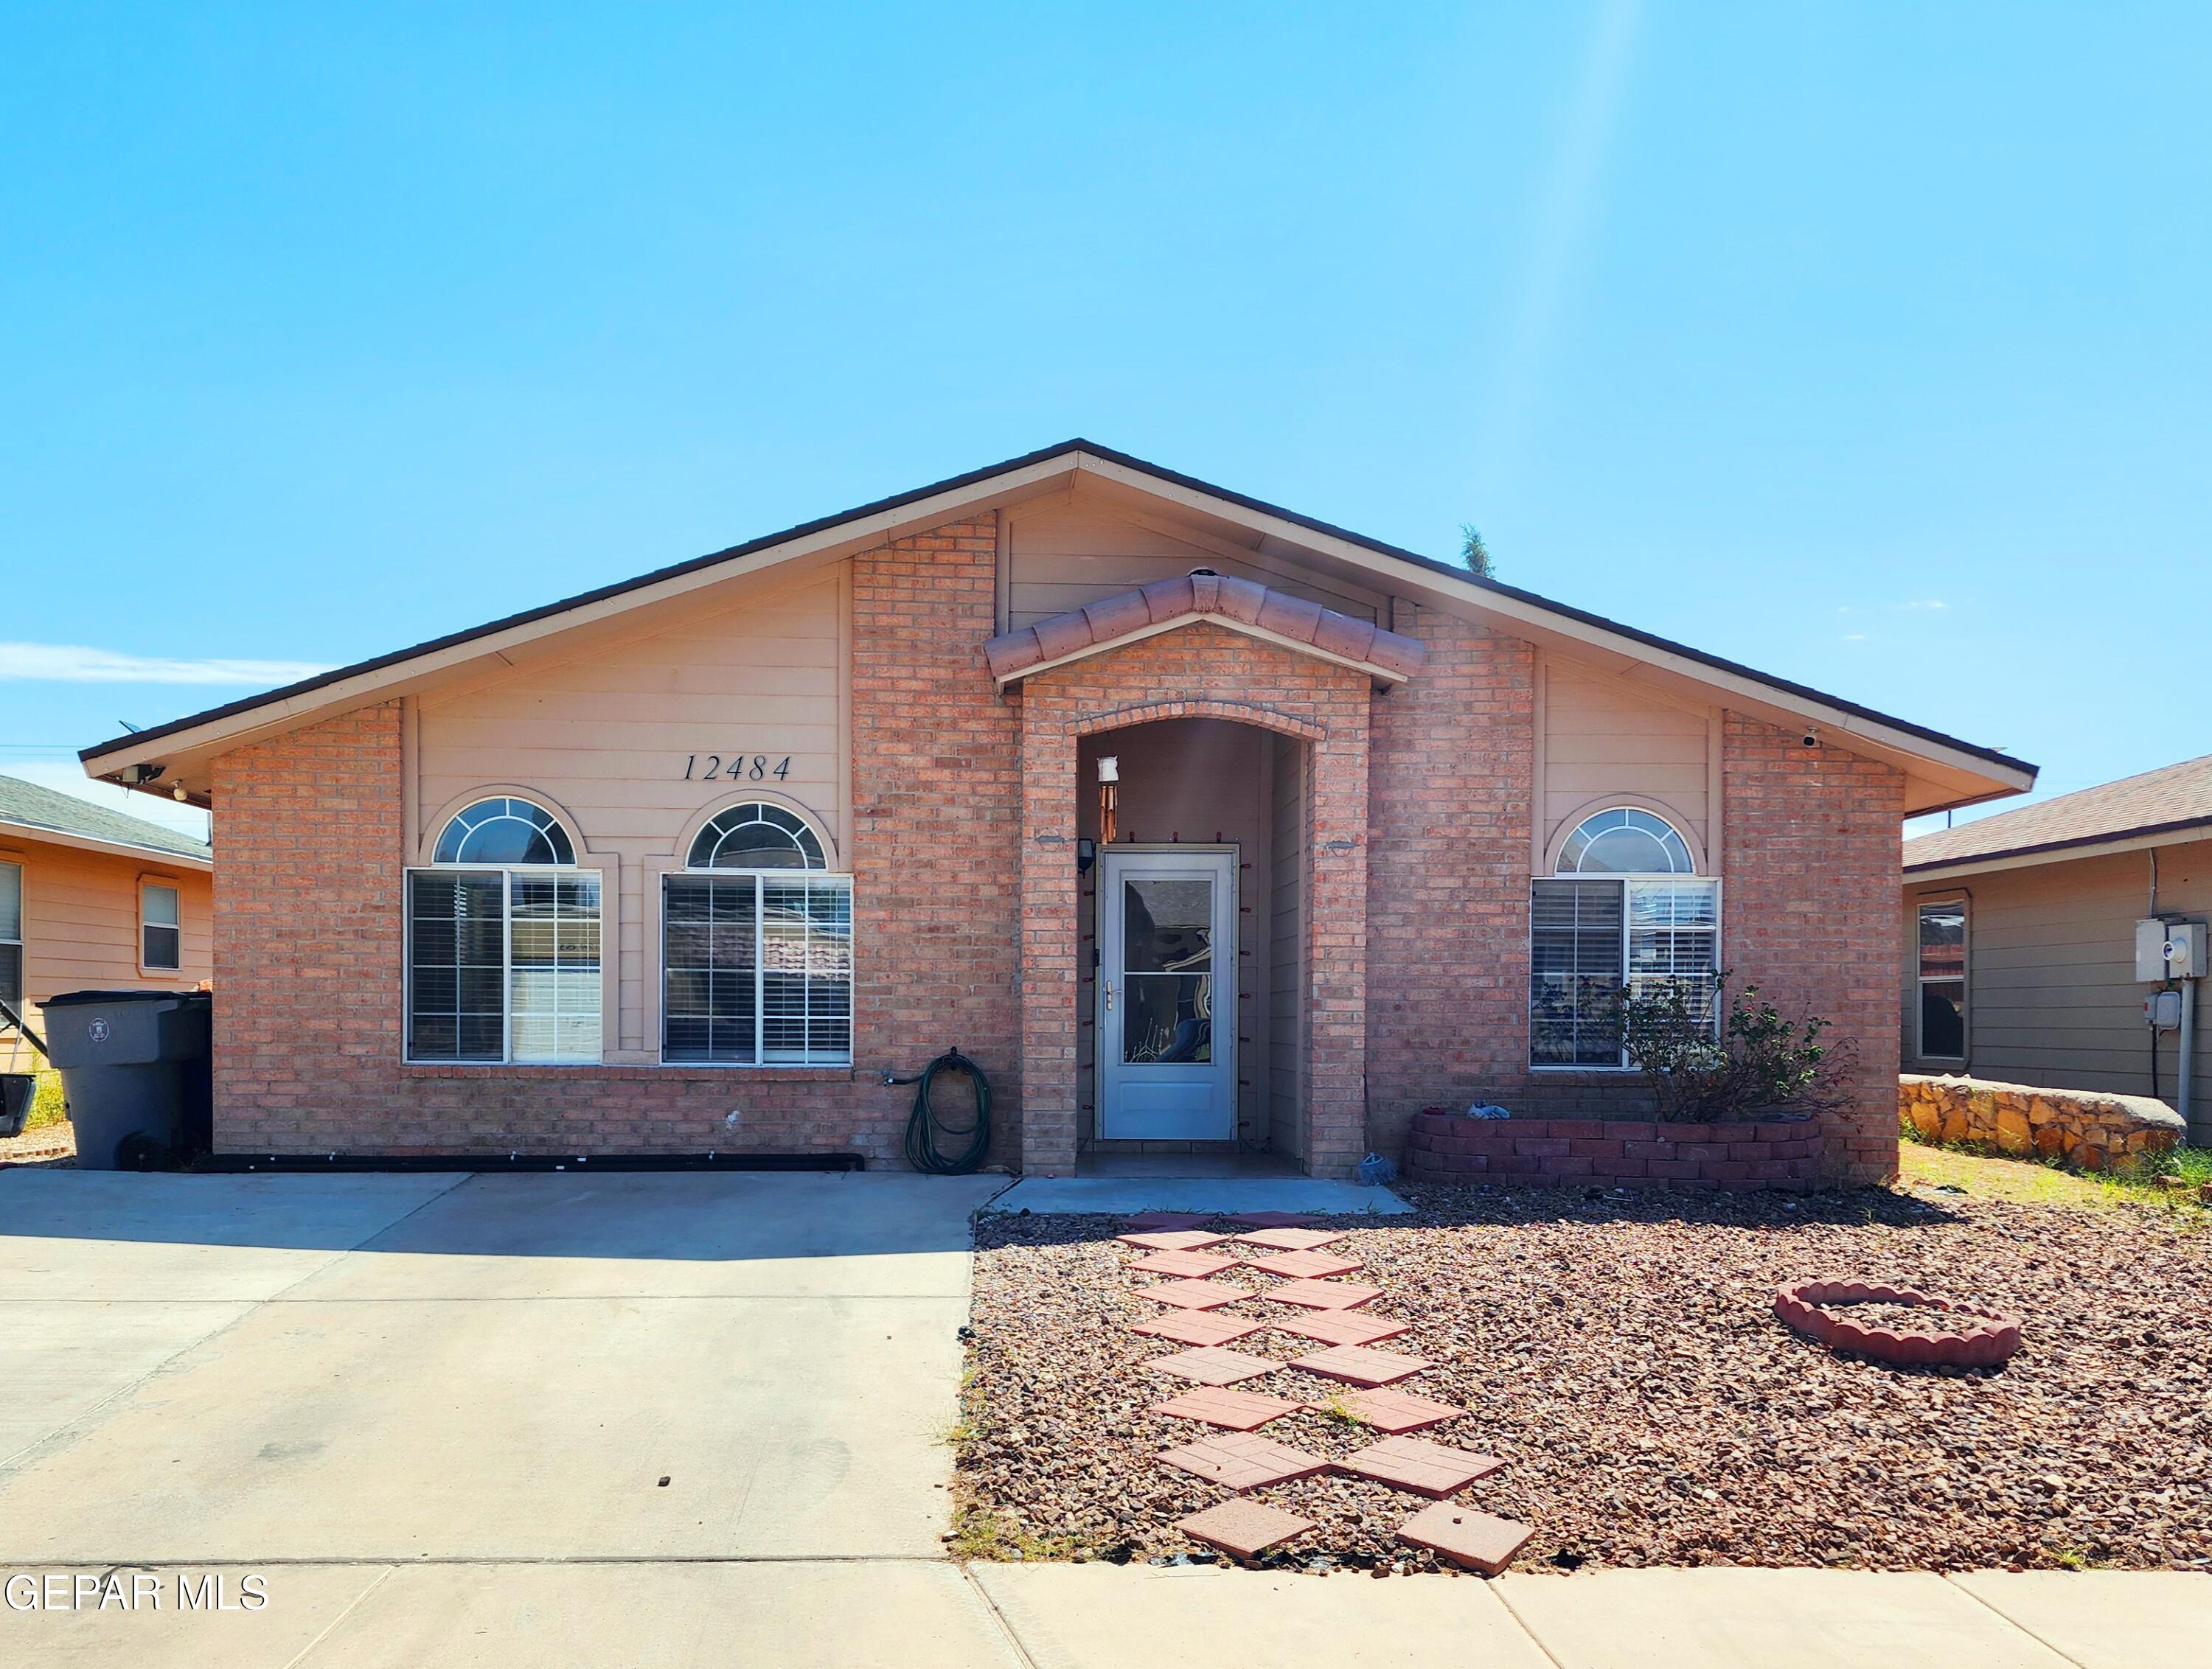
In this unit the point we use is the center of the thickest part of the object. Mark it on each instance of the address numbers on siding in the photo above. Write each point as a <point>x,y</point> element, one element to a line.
<point>738,767</point>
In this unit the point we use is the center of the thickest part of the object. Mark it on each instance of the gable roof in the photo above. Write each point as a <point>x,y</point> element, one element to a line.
<point>2173,801</point>
<point>1941,770</point>
<point>47,813</point>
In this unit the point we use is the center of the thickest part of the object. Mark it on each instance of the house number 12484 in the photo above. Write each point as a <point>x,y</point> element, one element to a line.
<point>738,768</point>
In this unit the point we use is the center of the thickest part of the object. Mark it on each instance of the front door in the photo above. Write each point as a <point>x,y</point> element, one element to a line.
<point>1167,973</point>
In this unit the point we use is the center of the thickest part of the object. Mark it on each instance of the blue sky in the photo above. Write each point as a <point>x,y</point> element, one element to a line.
<point>1868,344</point>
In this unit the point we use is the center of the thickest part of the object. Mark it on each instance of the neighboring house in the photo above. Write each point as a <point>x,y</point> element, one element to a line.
<point>691,862</point>
<point>95,899</point>
<point>2021,938</point>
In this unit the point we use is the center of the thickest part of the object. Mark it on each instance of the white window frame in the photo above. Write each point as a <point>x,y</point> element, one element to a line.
<point>760,878</point>
<point>1627,918</point>
<point>1921,979</point>
<point>17,999</point>
<point>151,884</point>
<point>508,872</point>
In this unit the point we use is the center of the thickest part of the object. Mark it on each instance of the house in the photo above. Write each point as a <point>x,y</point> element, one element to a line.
<point>2021,940</point>
<point>91,899</point>
<point>1203,826</point>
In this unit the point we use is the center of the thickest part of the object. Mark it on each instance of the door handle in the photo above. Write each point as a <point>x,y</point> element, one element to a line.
<point>1109,996</point>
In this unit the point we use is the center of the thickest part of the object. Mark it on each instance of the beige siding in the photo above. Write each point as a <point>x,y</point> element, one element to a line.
<point>1287,922</point>
<point>2050,988</point>
<point>620,739</point>
<point>1067,551</point>
<point>1605,737</point>
<point>80,921</point>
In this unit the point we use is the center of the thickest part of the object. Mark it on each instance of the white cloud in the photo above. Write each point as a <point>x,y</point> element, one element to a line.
<point>63,663</point>
<point>1921,607</point>
<point>63,774</point>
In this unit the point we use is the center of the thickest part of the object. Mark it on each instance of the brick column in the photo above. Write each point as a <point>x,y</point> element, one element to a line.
<point>1809,912</point>
<point>1049,887</point>
<point>935,792</point>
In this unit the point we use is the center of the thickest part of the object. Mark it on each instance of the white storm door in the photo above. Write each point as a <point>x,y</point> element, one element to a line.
<point>1167,973</point>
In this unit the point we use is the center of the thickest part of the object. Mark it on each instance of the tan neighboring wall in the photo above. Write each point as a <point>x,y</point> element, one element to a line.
<point>2051,996</point>
<point>81,919</point>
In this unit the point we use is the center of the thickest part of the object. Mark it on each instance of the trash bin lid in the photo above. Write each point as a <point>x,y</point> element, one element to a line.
<point>140,996</point>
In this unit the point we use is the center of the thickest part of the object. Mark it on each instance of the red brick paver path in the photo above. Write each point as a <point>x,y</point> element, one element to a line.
<point>1291,1240</point>
<point>1416,1464</point>
<point>1392,1411</point>
<point>1243,1526</point>
<point>1236,1411</point>
<point>1174,1240</point>
<point>1304,1265</point>
<point>1198,1327</point>
<point>1323,1295</point>
<point>1194,1294</point>
<point>1243,1460</point>
<point>1342,1327</point>
<point>1358,1365</point>
<point>1195,1265</point>
<point>1477,1540</point>
<point>1210,1365</point>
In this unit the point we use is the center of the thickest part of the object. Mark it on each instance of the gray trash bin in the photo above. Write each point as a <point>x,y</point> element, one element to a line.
<point>135,1068</point>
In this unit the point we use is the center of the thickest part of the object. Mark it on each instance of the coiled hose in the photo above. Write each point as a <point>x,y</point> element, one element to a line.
<point>923,1126</point>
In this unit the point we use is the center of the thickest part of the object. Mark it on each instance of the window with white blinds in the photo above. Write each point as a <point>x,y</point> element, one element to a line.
<point>503,966</point>
<point>757,969</point>
<point>11,936</point>
<point>1591,939</point>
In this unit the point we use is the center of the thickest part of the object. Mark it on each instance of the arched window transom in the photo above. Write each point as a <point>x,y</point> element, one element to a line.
<point>503,830</point>
<point>755,836</point>
<point>1624,840</point>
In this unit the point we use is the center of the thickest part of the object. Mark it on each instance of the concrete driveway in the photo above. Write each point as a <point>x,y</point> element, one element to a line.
<point>378,1391</point>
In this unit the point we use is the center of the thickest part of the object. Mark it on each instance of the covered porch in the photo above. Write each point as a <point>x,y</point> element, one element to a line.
<point>1194,783</point>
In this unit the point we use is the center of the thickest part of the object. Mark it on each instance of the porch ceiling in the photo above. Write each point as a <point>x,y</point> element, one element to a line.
<point>1239,605</point>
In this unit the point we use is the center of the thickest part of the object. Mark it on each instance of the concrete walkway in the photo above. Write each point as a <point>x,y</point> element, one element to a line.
<point>430,1416</point>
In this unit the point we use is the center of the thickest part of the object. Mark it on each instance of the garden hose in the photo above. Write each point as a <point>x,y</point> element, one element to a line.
<point>923,1126</point>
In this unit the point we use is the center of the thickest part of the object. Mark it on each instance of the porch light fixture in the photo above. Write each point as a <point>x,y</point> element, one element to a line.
<point>1086,854</point>
<point>1109,780</point>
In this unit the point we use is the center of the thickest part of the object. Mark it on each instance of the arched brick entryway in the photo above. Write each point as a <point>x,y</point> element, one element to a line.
<point>1199,670</point>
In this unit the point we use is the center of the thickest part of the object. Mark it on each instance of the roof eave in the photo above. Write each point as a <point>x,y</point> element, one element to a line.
<point>2178,832</point>
<point>1962,773</point>
<point>63,837</point>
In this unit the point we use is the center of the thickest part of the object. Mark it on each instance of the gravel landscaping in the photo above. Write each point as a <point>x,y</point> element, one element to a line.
<point>1621,1356</point>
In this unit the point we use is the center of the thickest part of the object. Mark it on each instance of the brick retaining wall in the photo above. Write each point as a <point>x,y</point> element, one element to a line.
<point>1450,1147</point>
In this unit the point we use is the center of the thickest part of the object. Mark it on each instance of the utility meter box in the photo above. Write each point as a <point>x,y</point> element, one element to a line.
<point>2162,1010</point>
<point>2150,950</point>
<point>2169,950</point>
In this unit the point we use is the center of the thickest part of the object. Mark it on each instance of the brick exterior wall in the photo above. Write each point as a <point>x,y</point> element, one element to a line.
<point>965,899</point>
<point>307,924</point>
<point>1450,804</point>
<point>1198,671</point>
<point>936,796</point>
<point>1809,913</point>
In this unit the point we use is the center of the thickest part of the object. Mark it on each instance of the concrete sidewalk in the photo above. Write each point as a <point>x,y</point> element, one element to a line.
<point>931,1614</point>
